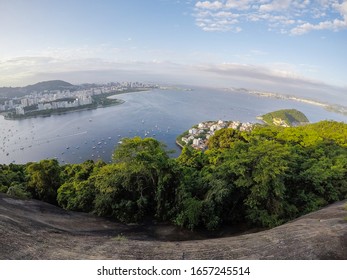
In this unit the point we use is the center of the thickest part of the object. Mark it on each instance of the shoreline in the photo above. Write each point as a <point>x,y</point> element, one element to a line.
<point>45,114</point>
<point>180,145</point>
<point>336,108</point>
<point>60,111</point>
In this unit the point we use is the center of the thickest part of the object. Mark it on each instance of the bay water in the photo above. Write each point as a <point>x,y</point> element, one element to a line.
<point>162,114</point>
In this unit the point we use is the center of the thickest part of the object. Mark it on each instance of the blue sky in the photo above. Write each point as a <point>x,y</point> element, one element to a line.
<point>289,46</point>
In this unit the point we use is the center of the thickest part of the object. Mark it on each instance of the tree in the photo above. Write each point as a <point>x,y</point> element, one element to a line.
<point>78,192</point>
<point>18,191</point>
<point>44,179</point>
<point>224,138</point>
<point>270,162</point>
<point>140,183</point>
<point>322,177</point>
<point>11,174</point>
<point>193,158</point>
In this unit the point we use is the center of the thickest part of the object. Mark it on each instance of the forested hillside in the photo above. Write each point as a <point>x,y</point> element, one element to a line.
<point>261,178</point>
<point>287,117</point>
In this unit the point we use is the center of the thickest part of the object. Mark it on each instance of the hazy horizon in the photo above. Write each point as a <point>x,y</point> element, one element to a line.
<point>292,47</point>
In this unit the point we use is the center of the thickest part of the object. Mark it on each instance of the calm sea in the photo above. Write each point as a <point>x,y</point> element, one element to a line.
<point>162,114</point>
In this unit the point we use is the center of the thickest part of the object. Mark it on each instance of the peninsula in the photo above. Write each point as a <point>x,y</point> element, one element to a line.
<point>197,136</point>
<point>57,97</point>
<point>337,108</point>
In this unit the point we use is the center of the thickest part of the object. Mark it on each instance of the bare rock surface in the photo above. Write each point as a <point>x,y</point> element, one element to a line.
<point>30,229</point>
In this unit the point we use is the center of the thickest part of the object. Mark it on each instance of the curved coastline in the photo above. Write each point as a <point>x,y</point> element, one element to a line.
<point>48,113</point>
<point>337,108</point>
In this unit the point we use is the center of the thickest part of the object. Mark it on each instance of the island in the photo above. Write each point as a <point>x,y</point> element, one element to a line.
<point>286,118</point>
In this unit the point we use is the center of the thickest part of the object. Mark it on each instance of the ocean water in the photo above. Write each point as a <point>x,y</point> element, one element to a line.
<point>163,114</point>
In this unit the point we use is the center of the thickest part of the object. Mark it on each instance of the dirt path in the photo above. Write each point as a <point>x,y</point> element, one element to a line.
<point>35,230</point>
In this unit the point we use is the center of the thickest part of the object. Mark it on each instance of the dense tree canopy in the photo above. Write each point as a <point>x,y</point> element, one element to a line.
<point>262,178</point>
<point>43,179</point>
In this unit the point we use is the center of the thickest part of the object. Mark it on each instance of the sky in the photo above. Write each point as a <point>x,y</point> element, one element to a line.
<point>293,47</point>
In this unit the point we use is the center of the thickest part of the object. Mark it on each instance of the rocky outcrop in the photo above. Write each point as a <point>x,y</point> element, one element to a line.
<point>31,229</point>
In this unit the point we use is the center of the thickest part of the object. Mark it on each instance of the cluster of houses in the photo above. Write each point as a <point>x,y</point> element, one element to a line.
<point>198,136</point>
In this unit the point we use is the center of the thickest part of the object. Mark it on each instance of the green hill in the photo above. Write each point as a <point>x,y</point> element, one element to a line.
<point>10,92</point>
<point>49,85</point>
<point>287,117</point>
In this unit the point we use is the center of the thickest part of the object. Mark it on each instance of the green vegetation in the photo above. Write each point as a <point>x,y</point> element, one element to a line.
<point>120,238</point>
<point>262,178</point>
<point>179,138</point>
<point>288,117</point>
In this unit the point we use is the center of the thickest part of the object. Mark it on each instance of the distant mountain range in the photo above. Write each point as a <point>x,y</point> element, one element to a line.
<point>10,92</point>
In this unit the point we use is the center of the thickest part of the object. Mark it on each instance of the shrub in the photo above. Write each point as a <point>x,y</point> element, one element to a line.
<point>18,191</point>
<point>3,189</point>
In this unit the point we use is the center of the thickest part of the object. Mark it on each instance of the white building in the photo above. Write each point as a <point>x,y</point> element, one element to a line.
<point>85,100</point>
<point>193,131</point>
<point>202,125</point>
<point>47,106</point>
<point>214,127</point>
<point>24,102</point>
<point>235,125</point>
<point>197,142</point>
<point>20,110</point>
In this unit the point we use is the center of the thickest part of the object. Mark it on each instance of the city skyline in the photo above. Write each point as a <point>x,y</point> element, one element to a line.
<point>293,47</point>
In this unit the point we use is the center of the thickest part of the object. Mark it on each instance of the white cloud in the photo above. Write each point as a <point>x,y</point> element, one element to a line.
<point>209,5</point>
<point>217,21</point>
<point>277,5</point>
<point>294,17</point>
<point>334,24</point>
<point>238,4</point>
